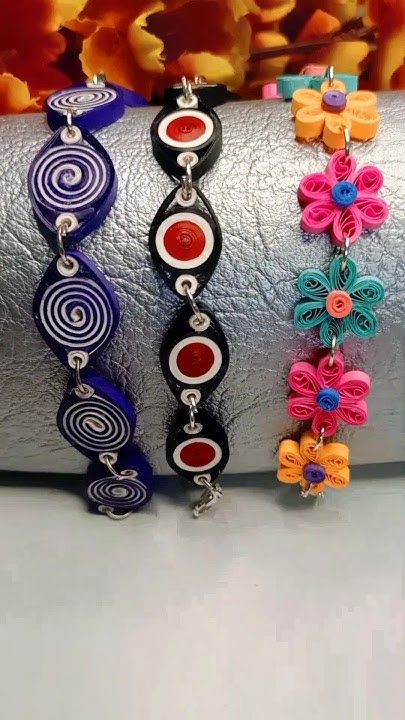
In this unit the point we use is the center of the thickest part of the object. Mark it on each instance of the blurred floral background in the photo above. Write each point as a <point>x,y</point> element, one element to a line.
<point>147,44</point>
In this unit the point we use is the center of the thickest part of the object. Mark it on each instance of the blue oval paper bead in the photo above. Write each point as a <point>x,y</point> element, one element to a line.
<point>102,422</point>
<point>94,105</point>
<point>76,179</point>
<point>76,312</point>
<point>120,494</point>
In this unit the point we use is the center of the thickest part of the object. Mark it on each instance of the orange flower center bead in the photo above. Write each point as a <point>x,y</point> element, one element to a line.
<point>339,303</point>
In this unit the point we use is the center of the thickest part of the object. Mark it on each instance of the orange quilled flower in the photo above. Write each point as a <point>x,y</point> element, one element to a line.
<point>314,469</point>
<point>327,112</point>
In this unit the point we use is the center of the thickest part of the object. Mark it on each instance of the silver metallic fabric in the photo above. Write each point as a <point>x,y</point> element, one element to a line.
<point>252,188</point>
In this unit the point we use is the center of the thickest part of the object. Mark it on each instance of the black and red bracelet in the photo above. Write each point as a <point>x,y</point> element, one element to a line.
<point>185,243</point>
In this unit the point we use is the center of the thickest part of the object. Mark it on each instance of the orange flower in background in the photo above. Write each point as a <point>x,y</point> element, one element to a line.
<point>30,45</point>
<point>147,44</point>
<point>15,95</point>
<point>389,15</point>
<point>120,44</point>
<point>217,47</point>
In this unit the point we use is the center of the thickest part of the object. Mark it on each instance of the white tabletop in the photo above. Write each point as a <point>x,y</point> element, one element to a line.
<point>266,608</point>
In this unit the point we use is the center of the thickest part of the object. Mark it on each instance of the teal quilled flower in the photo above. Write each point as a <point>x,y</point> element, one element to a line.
<point>340,302</point>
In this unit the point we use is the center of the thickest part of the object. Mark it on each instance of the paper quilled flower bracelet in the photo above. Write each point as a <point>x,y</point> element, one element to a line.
<point>72,186</point>
<point>342,200</point>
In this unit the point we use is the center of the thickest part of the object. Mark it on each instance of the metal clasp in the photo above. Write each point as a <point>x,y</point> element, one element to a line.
<point>210,496</point>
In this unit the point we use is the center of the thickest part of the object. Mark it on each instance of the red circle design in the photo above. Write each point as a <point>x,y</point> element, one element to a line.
<point>184,240</point>
<point>195,359</point>
<point>197,454</point>
<point>186,128</point>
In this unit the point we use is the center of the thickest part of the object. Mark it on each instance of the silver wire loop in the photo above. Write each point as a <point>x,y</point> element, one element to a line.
<point>99,78</point>
<point>345,252</point>
<point>330,72</point>
<point>332,351</point>
<point>187,183</point>
<point>200,80</point>
<point>61,232</point>
<point>69,121</point>
<point>320,440</point>
<point>192,411</point>
<point>79,383</point>
<point>111,514</point>
<point>193,304</point>
<point>348,142</point>
<point>186,88</point>
<point>108,461</point>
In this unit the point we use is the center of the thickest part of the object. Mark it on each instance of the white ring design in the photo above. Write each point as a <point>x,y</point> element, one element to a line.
<point>77,313</point>
<point>203,225</point>
<point>175,371</point>
<point>96,424</point>
<point>163,125</point>
<point>80,99</point>
<point>69,178</point>
<point>202,468</point>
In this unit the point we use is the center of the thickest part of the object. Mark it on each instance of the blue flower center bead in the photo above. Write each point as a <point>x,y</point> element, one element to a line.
<point>344,193</point>
<point>328,398</point>
<point>314,473</point>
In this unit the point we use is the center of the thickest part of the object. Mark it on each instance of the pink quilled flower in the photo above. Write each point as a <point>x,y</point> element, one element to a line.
<point>327,394</point>
<point>342,199</point>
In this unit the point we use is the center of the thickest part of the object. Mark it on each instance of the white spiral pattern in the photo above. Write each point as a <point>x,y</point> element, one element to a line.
<point>124,492</point>
<point>76,313</point>
<point>69,178</point>
<point>81,99</point>
<point>95,424</point>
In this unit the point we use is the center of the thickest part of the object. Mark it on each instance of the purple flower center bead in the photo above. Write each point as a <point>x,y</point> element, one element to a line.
<point>344,193</point>
<point>328,399</point>
<point>314,473</point>
<point>334,101</point>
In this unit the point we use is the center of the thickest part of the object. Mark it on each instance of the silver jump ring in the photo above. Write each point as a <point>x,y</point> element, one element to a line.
<point>106,459</point>
<point>187,183</point>
<point>320,440</point>
<point>78,378</point>
<point>332,351</point>
<point>111,514</point>
<point>186,88</point>
<point>69,121</point>
<point>346,252</point>
<point>192,411</point>
<point>99,78</point>
<point>193,304</point>
<point>348,142</point>
<point>331,75</point>
<point>61,232</point>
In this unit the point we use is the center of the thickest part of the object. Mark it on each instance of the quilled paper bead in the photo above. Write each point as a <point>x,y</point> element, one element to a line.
<point>342,200</point>
<point>200,451</point>
<point>185,243</point>
<point>100,419</point>
<point>73,181</point>
<point>327,394</point>
<point>194,356</point>
<point>324,114</point>
<point>178,131</point>
<point>127,490</point>
<point>339,302</point>
<point>314,468</point>
<point>93,104</point>
<point>76,309</point>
